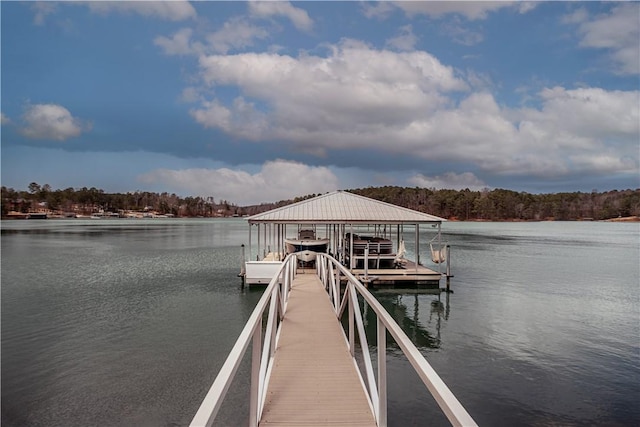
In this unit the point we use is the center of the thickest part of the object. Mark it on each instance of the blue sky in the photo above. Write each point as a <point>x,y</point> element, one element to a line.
<point>262,101</point>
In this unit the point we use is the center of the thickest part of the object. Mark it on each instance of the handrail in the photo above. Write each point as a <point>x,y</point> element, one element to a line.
<point>275,297</point>
<point>330,272</point>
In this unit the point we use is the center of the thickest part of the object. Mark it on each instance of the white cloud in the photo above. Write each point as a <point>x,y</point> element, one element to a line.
<point>592,112</point>
<point>617,31</point>
<point>174,10</point>
<point>448,181</point>
<point>171,10</point>
<point>298,17</point>
<point>578,16</point>
<point>586,129</point>
<point>380,10</point>
<point>401,103</point>
<point>179,43</point>
<point>363,85</point>
<point>460,32</point>
<point>526,6</point>
<point>213,115</point>
<point>277,180</point>
<point>42,9</point>
<point>603,163</point>
<point>190,95</point>
<point>236,33</point>
<point>4,120</point>
<point>242,119</point>
<point>405,40</point>
<point>470,9</point>
<point>51,121</point>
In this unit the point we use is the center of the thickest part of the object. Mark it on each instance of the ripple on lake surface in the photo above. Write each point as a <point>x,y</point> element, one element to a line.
<point>126,322</point>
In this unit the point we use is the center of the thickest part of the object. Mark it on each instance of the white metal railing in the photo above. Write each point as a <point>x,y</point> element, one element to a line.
<point>275,298</point>
<point>331,272</point>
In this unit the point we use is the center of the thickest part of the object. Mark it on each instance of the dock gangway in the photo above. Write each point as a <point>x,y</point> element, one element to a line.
<point>342,290</point>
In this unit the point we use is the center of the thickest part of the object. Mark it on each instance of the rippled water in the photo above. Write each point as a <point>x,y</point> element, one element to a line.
<point>126,322</point>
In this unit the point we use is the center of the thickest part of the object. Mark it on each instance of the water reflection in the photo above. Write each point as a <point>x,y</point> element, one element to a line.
<point>409,308</point>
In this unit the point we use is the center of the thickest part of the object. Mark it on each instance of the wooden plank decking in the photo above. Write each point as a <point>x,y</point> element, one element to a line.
<point>314,381</point>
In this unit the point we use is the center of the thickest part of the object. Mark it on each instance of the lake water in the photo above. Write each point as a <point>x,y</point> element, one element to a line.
<point>126,323</point>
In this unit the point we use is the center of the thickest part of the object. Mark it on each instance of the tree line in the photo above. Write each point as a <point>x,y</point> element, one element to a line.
<point>464,205</point>
<point>502,205</point>
<point>87,201</point>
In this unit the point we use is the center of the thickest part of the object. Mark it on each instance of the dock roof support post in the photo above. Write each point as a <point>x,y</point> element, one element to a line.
<point>280,242</point>
<point>417,246</point>
<point>440,248</point>
<point>250,233</point>
<point>258,249</point>
<point>350,246</point>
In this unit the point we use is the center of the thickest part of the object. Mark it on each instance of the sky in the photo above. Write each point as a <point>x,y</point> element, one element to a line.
<point>255,102</point>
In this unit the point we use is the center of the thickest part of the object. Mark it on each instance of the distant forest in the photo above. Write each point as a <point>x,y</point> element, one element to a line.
<point>464,205</point>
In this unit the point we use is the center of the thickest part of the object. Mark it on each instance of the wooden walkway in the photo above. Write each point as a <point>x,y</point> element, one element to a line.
<point>314,381</point>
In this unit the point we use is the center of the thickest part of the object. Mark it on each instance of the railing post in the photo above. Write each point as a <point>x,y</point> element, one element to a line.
<point>382,374</point>
<point>323,270</point>
<point>256,347</point>
<point>352,314</point>
<point>328,284</point>
<point>336,289</point>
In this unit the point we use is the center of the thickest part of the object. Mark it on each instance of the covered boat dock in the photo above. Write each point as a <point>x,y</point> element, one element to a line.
<point>378,242</point>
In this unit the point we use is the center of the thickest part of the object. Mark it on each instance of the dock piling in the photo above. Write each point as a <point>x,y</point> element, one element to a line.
<point>243,271</point>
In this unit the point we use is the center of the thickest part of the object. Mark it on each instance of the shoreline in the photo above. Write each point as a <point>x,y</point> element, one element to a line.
<point>619,219</point>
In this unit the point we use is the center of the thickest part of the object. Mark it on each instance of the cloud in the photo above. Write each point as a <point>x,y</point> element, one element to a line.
<point>174,10</point>
<point>408,104</point>
<point>618,32</point>
<point>179,43</point>
<point>380,10</point>
<point>298,17</point>
<point>171,10</point>
<point>41,10</point>
<point>526,6</point>
<point>51,121</point>
<point>471,10</point>
<point>190,95</point>
<point>236,33</point>
<point>242,119</point>
<point>591,112</point>
<point>460,32</point>
<point>354,86</point>
<point>4,120</point>
<point>449,181</point>
<point>405,40</point>
<point>590,128</point>
<point>277,180</point>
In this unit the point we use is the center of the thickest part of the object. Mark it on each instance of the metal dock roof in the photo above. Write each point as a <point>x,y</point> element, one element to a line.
<point>342,207</point>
